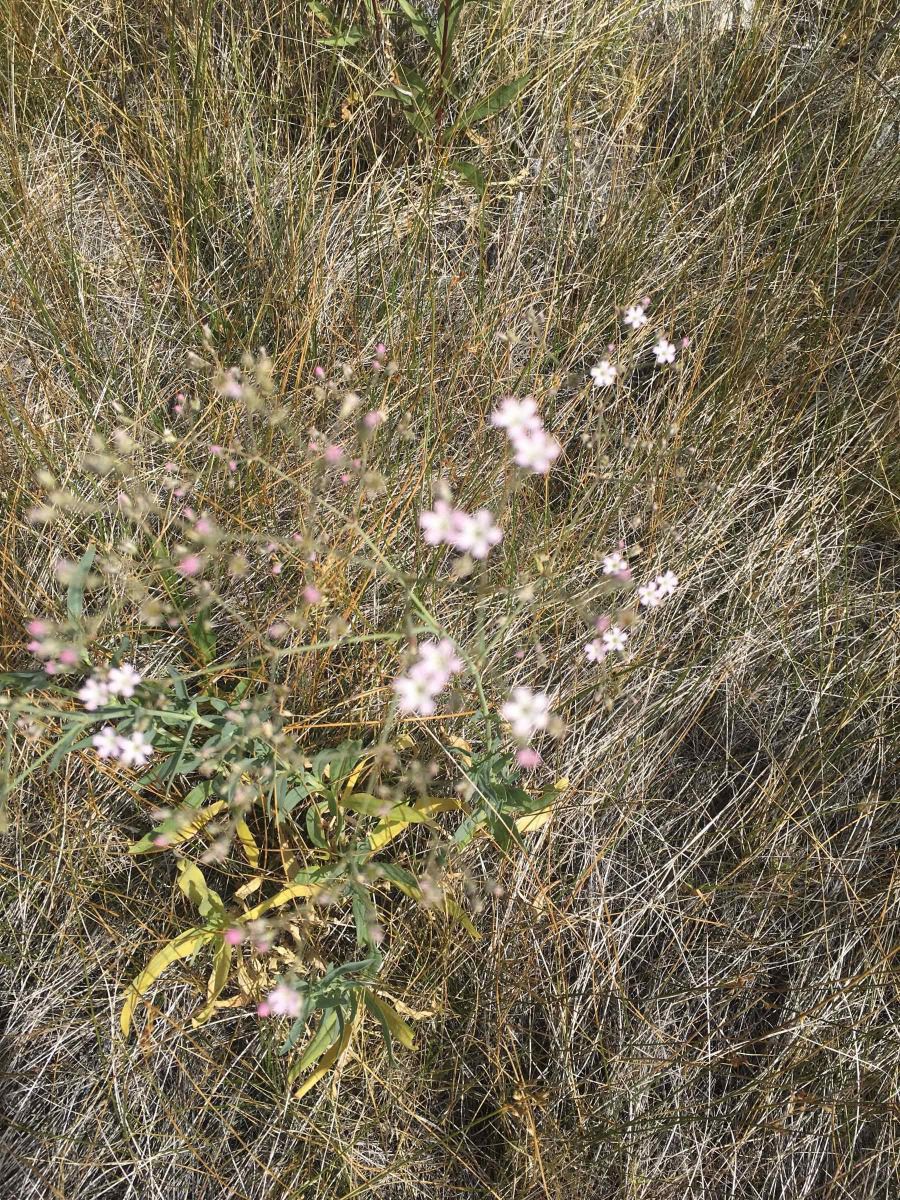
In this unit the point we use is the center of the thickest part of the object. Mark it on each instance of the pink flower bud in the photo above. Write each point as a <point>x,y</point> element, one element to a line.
<point>528,758</point>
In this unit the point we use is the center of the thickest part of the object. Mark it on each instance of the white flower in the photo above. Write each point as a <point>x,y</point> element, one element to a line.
<point>526,711</point>
<point>635,316</point>
<point>437,661</point>
<point>106,742</point>
<point>415,694</point>
<point>516,416</point>
<point>135,750</point>
<point>664,351</point>
<point>284,1001</point>
<point>93,694</point>
<point>614,564</point>
<point>648,595</point>
<point>615,638</point>
<point>477,533</point>
<point>604,373</point>
<point>595,651</point>
<point>536,451</point>
<point>666,584</point>
<point>123,680</point>
<point>440,524</point>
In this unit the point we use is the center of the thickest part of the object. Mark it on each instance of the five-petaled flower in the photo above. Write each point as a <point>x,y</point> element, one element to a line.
<point>664,351</point>
<point>604,373</point>
<point>477,533</point>
<point>526,711</point>
<point>123,680</point>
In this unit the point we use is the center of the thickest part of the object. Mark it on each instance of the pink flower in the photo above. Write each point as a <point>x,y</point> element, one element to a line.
<point>93,694</point>
<point>190,565</point>
<point>38,629</point>
<point>135,750</point>
<point>122,680</point>
<point>527,712</point>
<point>381,350</point>
<point>635,316</point>
<point>614,564</point>
<point>664,351</point>
<point>415,695</point>
<point>234,935</point>
<point>648,595</point>
<point>665,584</point>
<point>284,1001</point>
<point>535,451</point>
<point>440,657</point>
<point>106,742</point>
<point>478,533</point>
<point>517,416</point>
<point>437,662</point>
<point>215,449</point>
<point>312,595</point>
<point>528,758</point>
<point>595,651</point>
<point>68,657</point>
<point>615,638</point>
<point>263,1009</point>
<point>604,373</point>
<point>334,454</point>
<point>373,419</point>
<point>319,372</point>
<point>441,523</point>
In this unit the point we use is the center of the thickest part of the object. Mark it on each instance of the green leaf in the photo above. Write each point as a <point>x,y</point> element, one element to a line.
<point>363,914</point>
<point>294,1034</point>
<point>494,102</point>
<point>75,591</point>
<point>419,23</point>
<point>328,1032</point>
<point>447,22</point>
<point>470,174</point>
<point>23,681</point>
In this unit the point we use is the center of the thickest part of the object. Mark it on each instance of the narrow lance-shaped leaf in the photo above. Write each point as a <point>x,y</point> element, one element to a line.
<point>180,947</point>
<point>494,102</point>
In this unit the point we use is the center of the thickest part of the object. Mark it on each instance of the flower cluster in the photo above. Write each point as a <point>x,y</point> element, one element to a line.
<point>612,639</point>
<point>652,594</point>
<point>133,749</point>
<point>533,448</point>
<point>418,689</point>
<point>472,533</point>
<point>57,655</point>
<point>98,690</point>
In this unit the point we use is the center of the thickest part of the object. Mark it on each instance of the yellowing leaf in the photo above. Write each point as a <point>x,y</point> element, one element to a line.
<point>392,827</point>
<point>293,892</point>
<point>533,821</point>
<point>182,946</point>
<point>180,833</point>
<point>248,842</point>
<point>399,1030</point>
<point>459,914</point>
<point>217,980</point>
